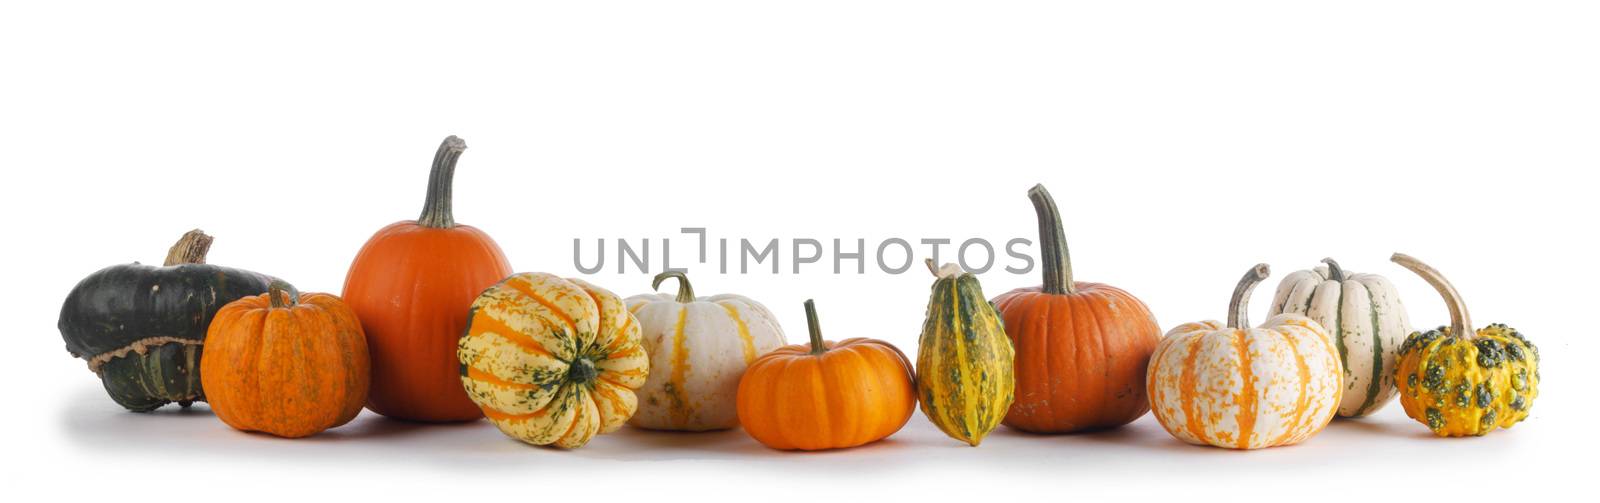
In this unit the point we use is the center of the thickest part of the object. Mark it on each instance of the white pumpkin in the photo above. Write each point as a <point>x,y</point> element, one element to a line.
<point>1239,387</point>
<point>1362,313</point>
<point>698,348</point>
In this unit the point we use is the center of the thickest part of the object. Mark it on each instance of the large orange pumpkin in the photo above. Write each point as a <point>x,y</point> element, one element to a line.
<point>1081,347</point>
<point>412,285</point>
<point>289,368</point>
<point>826,395</point>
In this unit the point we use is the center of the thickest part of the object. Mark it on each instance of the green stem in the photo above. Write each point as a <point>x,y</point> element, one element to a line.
<point>1460,320</point>
<point>1335,272</point>
<point>436,212</point>
<point>1239,305</point>
<point>817,346</point>
<point>1052,244</point>
<point>190,249</point>
<point>277,289</point>
<point>685,292</point>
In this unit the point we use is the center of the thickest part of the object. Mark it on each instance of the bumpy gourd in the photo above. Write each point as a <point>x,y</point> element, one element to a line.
<point>1461,382</point>
<point>552,361</point>
<point>286,364</point>
<point>141,328</point>
<point>699,348</point>
<point>1363,314</point>
<point>1245,388</point>
<point>964,358</point>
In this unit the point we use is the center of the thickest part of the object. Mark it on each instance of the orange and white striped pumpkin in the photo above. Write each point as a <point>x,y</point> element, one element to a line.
<point>1245,388</point>
<point>699,348</point>
<point>552,361</point>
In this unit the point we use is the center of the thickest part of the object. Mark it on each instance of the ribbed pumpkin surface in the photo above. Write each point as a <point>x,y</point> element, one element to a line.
<point>964,360</point>
<point>1081,358</point>
<point>826,395</point>
<point>552,361</point>
<point>1245,388</point>
<point>291,371</point>
<point>1082,348</point>
<point>1363,315</point>
<point>857,392</point>
<point>411,284</point>
<point>699,348</point>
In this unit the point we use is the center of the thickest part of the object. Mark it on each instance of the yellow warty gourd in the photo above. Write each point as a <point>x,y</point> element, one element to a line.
<point>1464,382</point>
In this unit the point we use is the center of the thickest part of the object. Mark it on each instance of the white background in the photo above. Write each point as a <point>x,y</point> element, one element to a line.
<point>1185,141</point>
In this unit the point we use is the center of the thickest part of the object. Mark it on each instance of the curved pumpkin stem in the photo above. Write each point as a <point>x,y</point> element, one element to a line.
<point>1460,321</point>
<point>1052,244</point>
<point>817,346</point>
<point>949,270</point>
<point>1239,305</point>
<point>190,249</point>
<point>685,292</point>
<point>436,212</point>
<point>276,290</point>
<point>1335,272</point>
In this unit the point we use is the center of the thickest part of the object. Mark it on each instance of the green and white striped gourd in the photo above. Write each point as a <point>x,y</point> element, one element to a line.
<point>1366,321</point>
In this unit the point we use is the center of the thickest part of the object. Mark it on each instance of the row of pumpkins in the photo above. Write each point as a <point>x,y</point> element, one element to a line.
<point>433,326</point>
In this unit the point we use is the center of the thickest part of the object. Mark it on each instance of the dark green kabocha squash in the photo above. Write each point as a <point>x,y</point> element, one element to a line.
<point>141,327</point>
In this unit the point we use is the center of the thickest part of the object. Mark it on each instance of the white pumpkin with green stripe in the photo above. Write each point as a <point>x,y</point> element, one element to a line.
<point>699,348</point>
<point>1363,315</point>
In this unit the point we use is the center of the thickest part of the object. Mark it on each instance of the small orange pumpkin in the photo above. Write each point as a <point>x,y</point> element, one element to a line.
<point>291,368</point>
<point>826,395</point>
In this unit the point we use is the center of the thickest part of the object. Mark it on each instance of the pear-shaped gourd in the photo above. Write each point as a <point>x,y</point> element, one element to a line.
<point>964,359</point>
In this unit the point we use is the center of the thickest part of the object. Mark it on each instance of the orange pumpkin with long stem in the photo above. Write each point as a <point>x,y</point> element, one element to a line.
<point>285,364</point>
<point>412,285</point>
<point>1081,347</point>
<point>826,395</point>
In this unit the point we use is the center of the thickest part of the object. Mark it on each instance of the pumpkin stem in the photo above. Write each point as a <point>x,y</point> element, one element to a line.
<point>949,270</point>
<point>685,292</point>
<point>817,346</point>
<point>1052,244</point>
<point>276,290</point>
<point>1460,321</point>
<point>582,371</point>
<point>1335,272</point>
<point>1239,305</point>
<point>190,249</point>
<point>436,212</point>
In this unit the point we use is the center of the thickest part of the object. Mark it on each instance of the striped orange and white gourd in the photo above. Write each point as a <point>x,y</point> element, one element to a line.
<point>552,361</point>
<point>1363,315</point>
<point>699,348</point>
<point>1239,387</point>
